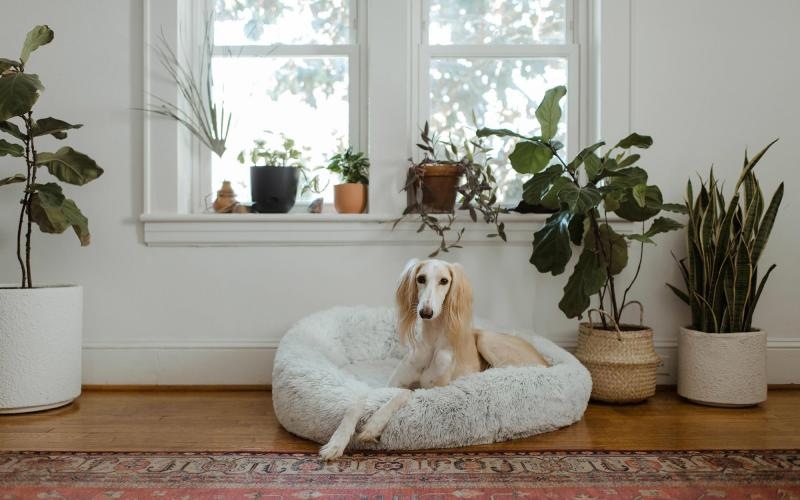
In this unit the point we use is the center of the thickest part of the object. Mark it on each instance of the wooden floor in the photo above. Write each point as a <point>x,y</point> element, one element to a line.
<point>244,421</point>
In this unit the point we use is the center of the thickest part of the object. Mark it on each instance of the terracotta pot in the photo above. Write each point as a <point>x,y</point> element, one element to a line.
<point>722,369</point>
<point>439,187</point>
<point>350,198</point>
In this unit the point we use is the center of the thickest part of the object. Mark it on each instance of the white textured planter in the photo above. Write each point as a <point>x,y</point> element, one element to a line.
<point>40,347</point>
<point>722,369</point>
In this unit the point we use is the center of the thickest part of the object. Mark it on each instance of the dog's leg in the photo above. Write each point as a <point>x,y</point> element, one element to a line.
<point>341,437</point>
<point>377,422</point>
<point>407,372</point>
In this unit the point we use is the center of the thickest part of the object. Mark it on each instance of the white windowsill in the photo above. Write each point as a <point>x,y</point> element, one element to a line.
<point>324,230</point>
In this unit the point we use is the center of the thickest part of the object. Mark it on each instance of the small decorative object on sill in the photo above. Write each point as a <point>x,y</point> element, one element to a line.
<point>226,199</point>
<point>315,207</point>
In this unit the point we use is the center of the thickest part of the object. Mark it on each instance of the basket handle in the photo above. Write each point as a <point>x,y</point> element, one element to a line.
<point>602,312</point>
<point>641,310</point>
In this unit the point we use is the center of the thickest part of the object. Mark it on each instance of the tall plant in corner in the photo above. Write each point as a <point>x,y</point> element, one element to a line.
<point>43,202</point>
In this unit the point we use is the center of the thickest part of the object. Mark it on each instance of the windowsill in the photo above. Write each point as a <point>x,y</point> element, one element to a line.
<point>327,229</point>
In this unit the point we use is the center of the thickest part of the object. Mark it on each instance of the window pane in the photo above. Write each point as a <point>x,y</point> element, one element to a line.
<point>503,93</point>
<point>305,98</point>
<point>497,22</point>
<point>259,22</point>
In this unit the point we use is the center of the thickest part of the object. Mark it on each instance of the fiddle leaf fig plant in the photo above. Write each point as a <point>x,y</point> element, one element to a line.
<point>584,192</point>
<point>43,203</point>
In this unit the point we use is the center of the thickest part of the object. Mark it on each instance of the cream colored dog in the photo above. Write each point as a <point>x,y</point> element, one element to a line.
<point>437,295</point>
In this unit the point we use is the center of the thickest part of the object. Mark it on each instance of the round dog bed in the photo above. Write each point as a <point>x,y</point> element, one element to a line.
<point>330,358</point>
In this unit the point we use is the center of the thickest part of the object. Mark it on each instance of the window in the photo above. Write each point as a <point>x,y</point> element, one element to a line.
<point>493,58</point>
<point>287,68</point>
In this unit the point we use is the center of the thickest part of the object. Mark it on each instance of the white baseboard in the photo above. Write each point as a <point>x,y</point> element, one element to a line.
<point>247,362</point>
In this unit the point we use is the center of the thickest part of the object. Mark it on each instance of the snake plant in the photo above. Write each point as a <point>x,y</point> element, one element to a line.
<point>725,242</point>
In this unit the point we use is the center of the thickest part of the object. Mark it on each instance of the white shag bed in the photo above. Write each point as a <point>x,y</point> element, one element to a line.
<point>329,358</point>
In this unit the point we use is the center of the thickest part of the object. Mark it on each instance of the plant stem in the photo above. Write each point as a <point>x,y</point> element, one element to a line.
<point>24,205</point>
<point>635,276</point>
<point>32,168</point>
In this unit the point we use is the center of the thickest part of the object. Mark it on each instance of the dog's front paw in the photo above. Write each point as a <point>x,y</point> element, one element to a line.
<point>371,433</point>
<point>332,450</point>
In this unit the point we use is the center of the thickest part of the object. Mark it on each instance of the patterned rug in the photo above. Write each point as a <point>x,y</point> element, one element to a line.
<point>561,474</point>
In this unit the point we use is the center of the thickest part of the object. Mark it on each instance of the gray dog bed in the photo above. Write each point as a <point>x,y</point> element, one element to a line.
<point>329,358</point>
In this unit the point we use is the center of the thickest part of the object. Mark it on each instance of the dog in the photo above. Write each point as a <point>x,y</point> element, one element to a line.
<point>436,295</point>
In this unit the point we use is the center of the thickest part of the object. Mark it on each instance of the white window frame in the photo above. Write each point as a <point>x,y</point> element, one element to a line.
<point>388,121</point>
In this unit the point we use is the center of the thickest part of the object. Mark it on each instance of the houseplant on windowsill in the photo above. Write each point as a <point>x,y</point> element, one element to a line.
<point>273,185</point>
<point>585,191</point>
<point>721,357</point>
<point>350,197</point>
<point>40,326</point>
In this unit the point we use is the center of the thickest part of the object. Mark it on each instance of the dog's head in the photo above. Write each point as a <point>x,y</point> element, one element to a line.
<point>430,290</point>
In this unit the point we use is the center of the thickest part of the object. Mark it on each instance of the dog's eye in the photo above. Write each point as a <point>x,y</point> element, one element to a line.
<point>421,279</point>
<point>444,281</point>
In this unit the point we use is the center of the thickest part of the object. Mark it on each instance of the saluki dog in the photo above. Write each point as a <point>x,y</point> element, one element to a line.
<point>436,295</point>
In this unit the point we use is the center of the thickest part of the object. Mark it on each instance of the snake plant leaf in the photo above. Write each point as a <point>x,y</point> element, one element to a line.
<point>580,200</point>
<point>530,157</point>
<point>537,186</point>
<point>18,93</point>
<point>752,163</point>
<point>581,157</point>
<point>53,126</point>
<point>680,293</point>
<point>503,132</point>
<point>751,305</point>
<point>588,276</point>
<point>630,210</point>
<point>767,222</point>
<point>549,111</point>
<point>6,64</point>
<point>38,36</point>
<point>70,166</point>
<point>11,149</point>
<point>610,246</point>
<point>551,244</point>
<point>635,140</point>
<point>13,179</point>
<point>12,130</point>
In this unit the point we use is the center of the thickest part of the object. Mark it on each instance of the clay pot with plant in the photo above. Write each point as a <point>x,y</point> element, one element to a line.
<point>721,356</point>
<point>585,193</point>
<point>350,197</point>
<point>41,326</point>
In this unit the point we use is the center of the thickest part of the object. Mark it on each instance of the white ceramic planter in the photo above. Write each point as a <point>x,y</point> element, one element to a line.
<point>722,369</point>
<point>40,347</point>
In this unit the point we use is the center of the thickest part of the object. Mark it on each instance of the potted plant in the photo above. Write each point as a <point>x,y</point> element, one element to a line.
<point>350,197</point>
<point>584,192</point>
<point>273,185</point>
<point>432,183</point>
<point>721,356</point>
<point>40,326</point>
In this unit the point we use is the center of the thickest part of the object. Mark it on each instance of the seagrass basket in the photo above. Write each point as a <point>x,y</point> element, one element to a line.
<point>622,361</point>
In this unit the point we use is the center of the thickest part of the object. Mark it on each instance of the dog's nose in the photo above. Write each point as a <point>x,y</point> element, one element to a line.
<point>426,313</point>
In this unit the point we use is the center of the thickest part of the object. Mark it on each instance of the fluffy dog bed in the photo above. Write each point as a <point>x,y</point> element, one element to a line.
<point>327,359</point>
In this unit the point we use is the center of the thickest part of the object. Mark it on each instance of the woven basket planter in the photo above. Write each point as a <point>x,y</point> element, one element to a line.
<point>622,361</point>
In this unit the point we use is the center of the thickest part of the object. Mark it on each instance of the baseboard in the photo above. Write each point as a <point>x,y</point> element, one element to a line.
<point>248,363</point>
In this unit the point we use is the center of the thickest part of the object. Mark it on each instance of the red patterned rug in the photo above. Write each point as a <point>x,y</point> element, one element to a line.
<point>558,474</point>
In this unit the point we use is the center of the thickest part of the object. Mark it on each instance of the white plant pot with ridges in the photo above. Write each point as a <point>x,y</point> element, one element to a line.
<point>40,347</point>
<point>722,369</point>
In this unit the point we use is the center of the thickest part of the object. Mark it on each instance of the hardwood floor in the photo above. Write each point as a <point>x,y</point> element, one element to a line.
<point>244,421</point>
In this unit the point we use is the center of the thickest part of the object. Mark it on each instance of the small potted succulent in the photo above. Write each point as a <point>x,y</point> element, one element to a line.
<point>432,183</point>
<point>41,327</point>
<point>274,183</point>
<point>350,197</point>
<point>584,192</point>
<point>721,356</point>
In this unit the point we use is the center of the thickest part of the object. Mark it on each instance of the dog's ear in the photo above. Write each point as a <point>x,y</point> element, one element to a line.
<point>458,303</point>
<point>406,299</point>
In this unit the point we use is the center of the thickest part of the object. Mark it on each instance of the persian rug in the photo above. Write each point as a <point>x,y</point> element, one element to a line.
<point>540,474</point>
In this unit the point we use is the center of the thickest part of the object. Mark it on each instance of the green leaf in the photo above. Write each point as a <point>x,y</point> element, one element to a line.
<point>765,228</point>
<point>551,244</point>
<point>10,149</point>
<point>635,140</point>
<point>580,157</point>
<point>18,93</point>
<point>626,177</point>
<point>630,210</point>
<point>577,228</point>
<point>628,160</point>
<point>549,112</point>
<point>537,186</point>
<point>500,132</point>
<point>680,293</point>
<point>51,193</point>
<point>6,64</point>
<point>674,207</point>
<point>639,192</point>
<point>551,199</point>
<point>70,166</point>
<point>79,222</point>
<point>611,201</point>
<point>530,157</point>
<point>53,126</point>
<point>593,166</point>
<point>588,276</point>
<point>13,179</point>
<point>660,225</point>
<point>580,200</point>
<point>13,130</point>
<point>610,246</point>
<point>38,36</point>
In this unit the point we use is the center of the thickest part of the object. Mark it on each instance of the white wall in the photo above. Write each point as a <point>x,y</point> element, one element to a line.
<point>707,79</point>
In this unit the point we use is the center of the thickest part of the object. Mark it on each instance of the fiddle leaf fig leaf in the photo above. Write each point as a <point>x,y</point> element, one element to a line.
<point>53,126</point>
<point>551,244</point>
<point>500,132</point>
<point>78,221</point>
<point>635,140</point>
<point>12,130</point>
<point>593,166</point>
<point>13,179</point>
<point>530,157</point>
<point>581,157</point>
<point>6,64</point>
<point>18,93</point>
<point>580,200</point>
<point>537,186</point>
<point>630,209</point>
<point>660,225</point>
<point>10,149</point>
<point>70,166</point>
<point>639,191</point>
<point>677,208</point>
<point>38,36</point>
<point>588,276</point>
<point>610,246</point>
<point>549,111</point>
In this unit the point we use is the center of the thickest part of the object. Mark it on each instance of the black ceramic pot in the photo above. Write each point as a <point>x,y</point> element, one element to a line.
<point>273,189</point>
